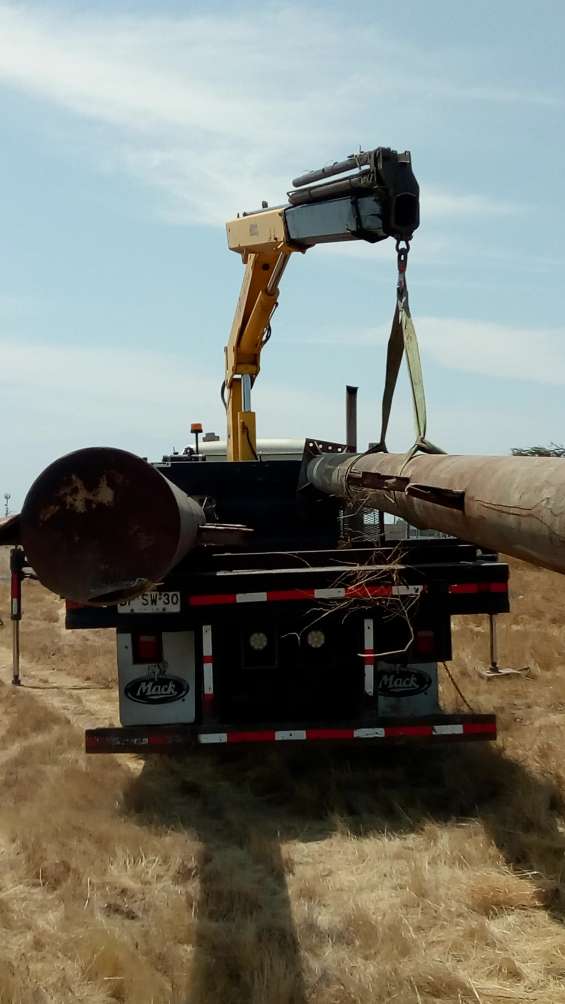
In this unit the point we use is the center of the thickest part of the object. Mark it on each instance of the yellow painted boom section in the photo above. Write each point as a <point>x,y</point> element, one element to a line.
<point>262,231</point>
<point>261,240</point>
<point>252,314</point>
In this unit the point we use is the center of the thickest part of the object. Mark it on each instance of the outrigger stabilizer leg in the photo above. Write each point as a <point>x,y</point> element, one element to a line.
<point>494,671</point>
<point>17,563</point>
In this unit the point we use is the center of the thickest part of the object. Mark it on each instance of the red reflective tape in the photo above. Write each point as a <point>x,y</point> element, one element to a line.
<point>267,735</point>
<point>158,739</point>
<point>329,733</point>
<point>362,591</point>
<point>73,605</point>
<point>460,588</point>
<point>286,595</point>
<point>207,700</point>
<point>214,599</point>
<point>207,659</point>
<point>476,727</point>
<point>408,730</point>
<point>15,587</point>
<point>368,656</point>
<point>278,595</point>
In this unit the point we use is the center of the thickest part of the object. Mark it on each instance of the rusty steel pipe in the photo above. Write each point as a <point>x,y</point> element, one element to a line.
<point>515,505</point>
<point>100,525</point>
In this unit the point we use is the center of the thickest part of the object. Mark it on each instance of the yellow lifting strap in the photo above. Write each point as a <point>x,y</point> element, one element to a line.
<point>403,341</point>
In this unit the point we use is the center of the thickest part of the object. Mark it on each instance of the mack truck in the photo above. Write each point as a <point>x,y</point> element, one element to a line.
<point>257,593</point>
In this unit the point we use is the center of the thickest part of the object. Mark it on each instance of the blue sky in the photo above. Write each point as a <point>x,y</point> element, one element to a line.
<point>133,130</point>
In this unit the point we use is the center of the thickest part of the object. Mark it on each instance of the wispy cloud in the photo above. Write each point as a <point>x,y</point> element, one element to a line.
<point>495,350</point>
<point>56,398</point>
<point>194,104</point>
<point>440,205</point>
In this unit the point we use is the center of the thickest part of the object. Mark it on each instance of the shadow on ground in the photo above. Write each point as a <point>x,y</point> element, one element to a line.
<point>245,806</point>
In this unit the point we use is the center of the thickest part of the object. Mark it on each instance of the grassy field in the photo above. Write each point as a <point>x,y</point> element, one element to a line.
<point>284,878</point>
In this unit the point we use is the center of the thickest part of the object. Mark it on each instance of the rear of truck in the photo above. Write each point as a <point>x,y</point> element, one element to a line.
<point>306,636</point>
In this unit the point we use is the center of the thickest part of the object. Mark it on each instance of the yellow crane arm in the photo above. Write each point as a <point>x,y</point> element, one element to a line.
<point>261,240</point>
<point>380,200</point>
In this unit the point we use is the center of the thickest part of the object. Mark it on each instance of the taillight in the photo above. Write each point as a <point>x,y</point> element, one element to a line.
<point>147,648</point>
<point>425,642</point>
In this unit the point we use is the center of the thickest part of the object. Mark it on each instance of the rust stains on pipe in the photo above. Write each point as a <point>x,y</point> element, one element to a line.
<point>515,505</point>
<point>100,525</point>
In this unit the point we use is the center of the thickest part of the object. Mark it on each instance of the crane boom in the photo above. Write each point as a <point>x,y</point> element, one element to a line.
<point>380,200</point>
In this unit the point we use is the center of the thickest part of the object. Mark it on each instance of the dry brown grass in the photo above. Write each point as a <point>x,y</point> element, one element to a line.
<point>284,878</point>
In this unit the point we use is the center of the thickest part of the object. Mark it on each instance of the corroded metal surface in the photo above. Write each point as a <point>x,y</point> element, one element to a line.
<point>101,524</point>
<point>515,505</point>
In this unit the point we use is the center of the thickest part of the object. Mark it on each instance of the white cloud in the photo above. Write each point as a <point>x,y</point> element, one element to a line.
<point>439,205</point>
<point>57,398</point>
<point>495,350</point>
<point>500,351</point>
<point>54,399</point>
<point>194,104</point>
<point>113,388</point>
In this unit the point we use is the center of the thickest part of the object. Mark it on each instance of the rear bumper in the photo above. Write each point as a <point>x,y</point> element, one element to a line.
<point>176,739</point>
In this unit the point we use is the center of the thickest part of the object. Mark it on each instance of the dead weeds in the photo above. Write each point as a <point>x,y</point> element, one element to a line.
<point>299,877</point>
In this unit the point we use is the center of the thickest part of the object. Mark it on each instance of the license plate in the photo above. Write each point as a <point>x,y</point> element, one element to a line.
<point>152,603</point>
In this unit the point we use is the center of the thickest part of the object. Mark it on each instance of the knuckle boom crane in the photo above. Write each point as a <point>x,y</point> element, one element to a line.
<point>253,601</point>
<point>380,200</point>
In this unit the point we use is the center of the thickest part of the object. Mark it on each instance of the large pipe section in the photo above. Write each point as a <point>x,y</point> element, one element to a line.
<point>100,525</point>
<point>515,505</point>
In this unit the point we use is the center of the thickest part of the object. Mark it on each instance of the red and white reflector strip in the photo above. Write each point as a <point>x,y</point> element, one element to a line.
<point>486,729</point>
<point>368,655</point>
<point>15,596</point>
<point>170,739</point>
<point>361,592</point>
<point>207,669</point>
<point>124,741</point>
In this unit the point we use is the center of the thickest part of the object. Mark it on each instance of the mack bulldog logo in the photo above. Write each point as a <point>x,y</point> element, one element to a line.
<point>403,682</point>
<point>156,688</point>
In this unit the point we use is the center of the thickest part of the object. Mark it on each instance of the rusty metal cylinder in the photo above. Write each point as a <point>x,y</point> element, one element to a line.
<point>100,525</point>
<point>515,505</point>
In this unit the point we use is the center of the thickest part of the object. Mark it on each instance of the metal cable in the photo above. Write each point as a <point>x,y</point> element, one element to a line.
<point>457,688</point>
<point>250,444</point>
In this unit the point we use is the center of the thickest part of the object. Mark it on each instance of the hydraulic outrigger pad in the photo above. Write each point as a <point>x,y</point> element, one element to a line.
<point>494,671</point>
